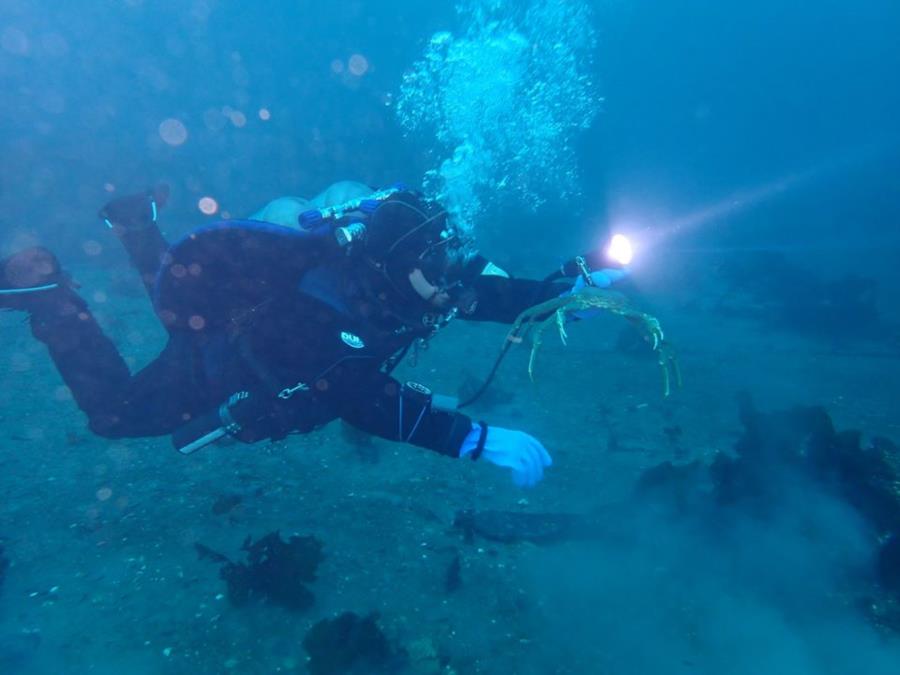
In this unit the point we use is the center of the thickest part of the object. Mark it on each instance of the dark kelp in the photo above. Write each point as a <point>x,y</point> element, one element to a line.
<point>783,448</point>
<point>225,503</point>
<point>350,644</point>
<point>804,440</point>
<point>453,575</point>
<point>275,571</point>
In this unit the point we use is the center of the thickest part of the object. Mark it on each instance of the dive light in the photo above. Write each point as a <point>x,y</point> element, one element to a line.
<point>617,253</point>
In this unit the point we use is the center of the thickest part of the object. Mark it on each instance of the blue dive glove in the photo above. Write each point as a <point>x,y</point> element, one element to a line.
<point>516,450</point>
<point>602,278</point>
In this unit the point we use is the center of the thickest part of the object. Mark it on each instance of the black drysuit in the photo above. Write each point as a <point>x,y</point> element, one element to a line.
<point>272,311</point>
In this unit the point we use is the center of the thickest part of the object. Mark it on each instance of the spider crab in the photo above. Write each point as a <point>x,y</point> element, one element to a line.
<point>537,319</point>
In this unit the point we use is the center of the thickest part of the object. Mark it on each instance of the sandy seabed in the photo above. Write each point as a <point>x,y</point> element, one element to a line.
<point>105,577</point>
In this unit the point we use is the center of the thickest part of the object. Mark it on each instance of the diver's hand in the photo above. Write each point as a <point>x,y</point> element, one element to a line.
<point>515,450</point>
<point>602,278</point>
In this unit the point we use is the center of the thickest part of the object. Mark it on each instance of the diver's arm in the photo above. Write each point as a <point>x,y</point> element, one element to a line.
<point>382,406</point>
<point>407,413</point>
<point>502,299</point>
<point>378,404</point>
<point>375,403</point>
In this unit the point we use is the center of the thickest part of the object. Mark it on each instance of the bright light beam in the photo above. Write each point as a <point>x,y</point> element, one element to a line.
<point>743,200</point>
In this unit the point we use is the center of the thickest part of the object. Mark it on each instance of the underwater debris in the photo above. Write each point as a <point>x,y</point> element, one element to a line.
<point>350,644</point>
<point>225,503</point>
<point>206,553</point>
<point>453,576</point>
<point>538,528</point>
<point>276,571</point>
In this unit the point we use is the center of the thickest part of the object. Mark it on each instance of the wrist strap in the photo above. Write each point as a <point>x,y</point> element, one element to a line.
<point>482,439</point>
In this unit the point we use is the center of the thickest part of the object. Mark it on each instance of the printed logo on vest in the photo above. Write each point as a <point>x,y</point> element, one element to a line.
<point>351,340</point>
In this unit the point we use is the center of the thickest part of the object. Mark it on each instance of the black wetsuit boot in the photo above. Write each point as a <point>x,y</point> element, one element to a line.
<point>153,402</point>
<point>133,219</point>
<point>88,361</point>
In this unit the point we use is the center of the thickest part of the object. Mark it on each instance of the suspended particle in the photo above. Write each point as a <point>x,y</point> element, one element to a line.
<point>208,206</point>
<point>173,132</point>
<point>14,41</point>
<point>92,247</point>
<point>358,65</point>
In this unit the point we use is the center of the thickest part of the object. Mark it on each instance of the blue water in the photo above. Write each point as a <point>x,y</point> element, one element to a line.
<point>750,151</point>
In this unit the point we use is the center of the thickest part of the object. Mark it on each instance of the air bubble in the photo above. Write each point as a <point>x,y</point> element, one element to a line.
<point>503,102</point>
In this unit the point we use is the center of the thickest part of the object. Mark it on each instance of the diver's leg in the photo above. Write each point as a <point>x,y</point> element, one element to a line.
<point>160,398</point>
<point>133,219</point>
<point>88,361</point>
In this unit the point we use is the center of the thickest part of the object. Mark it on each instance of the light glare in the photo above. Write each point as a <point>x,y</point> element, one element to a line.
<point>620,249</point>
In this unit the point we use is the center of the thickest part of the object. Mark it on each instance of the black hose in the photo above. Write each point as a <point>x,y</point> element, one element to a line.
<point>490,378</point>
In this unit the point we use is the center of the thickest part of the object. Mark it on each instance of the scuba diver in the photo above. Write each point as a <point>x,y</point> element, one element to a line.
<point>277,330</point>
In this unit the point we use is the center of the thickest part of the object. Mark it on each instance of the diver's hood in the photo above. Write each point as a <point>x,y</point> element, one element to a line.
<point>404,224</point>
<point>407,232</point>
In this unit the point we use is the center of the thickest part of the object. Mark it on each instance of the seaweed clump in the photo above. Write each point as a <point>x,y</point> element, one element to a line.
<point>351,644</point>
<point>781,451</point>
<point>276,571</point>
<point>804,441</point>
<point>781,447</point>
